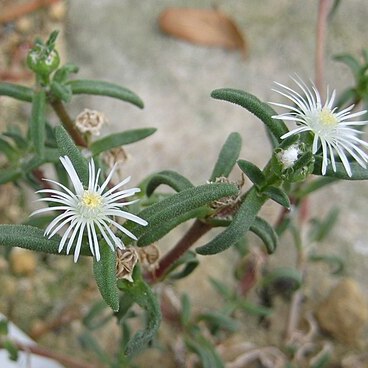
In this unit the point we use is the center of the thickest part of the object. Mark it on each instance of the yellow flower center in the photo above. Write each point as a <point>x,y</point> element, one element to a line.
<point>326,117</point>
<point>91,200</point>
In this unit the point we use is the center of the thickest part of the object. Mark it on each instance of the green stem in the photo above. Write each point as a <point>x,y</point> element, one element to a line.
<point>67,122</point>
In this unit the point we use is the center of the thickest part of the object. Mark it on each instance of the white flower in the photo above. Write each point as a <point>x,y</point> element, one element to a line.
<point>331,128</point>
<point>90,211</point>
<point>288,156</point>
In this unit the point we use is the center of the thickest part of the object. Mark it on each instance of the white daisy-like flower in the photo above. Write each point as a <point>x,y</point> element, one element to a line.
<point>89,211</point>
<point>333,130</point>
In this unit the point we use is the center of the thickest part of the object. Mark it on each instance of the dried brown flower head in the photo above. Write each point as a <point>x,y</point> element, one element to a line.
<point>149,256</point>
<point>90,121</point>
<point>126,259</point>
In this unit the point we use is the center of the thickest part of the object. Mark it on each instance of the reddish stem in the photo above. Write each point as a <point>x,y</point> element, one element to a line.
<point>323,9</point>
<point>198,229</point>
<point>39,175</point>
<point>68,123</point>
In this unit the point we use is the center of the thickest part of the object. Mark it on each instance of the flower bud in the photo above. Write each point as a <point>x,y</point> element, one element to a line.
<point>43,60</point>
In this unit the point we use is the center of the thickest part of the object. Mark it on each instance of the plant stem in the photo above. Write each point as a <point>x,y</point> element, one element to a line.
<point>63,359</point>
<point>198,229</point>
<point>323,9</point>
<point>67,122</point>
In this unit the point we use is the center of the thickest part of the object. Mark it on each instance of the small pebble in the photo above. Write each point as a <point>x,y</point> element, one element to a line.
<point>22,262</point>
<point>343,314</point>
<point>57,11</point>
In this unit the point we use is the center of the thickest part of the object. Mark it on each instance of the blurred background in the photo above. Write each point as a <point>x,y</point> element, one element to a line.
<point>131,43</point>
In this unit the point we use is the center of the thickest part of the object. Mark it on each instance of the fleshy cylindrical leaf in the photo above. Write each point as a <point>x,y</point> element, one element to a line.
<point>227,158</point>
<point>102,88</point>
<point>254,174</point>
<point>21,93</point>
<point>263,111</point>
<point>38,121</point>
<point>181,203</point>
<point>265,232</point>
<point>67,147</point>
<point>105,274</point>
<point>32,238</point>
<point>170,178</point>
<point>241,223</point>
<point>120,139</point>
<point>155,233</point>
<point>277,195</point>
<point>140,293</point>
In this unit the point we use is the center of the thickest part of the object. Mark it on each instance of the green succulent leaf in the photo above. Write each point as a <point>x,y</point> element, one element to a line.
<point>351,62</point>
<point>254,174</point>
<point>11,348</point>
<point>336,263</point>
<point>227,158</point>
<point>102,88</point>
<point>120,139</point>
<point>241,223</point>
<point>206,352</point>
<point>140,293</point>
<point>283,273</point>
<point>277,195</point>
<point>185,310</point>
<point>8,150</point>
<point>32,238</point>
<point>67,147</point>
<point>358,172</point>
<point>38,122</point>
<point>216,320</point>
<point>16,91</point>
<point>188,262</point>
<point>155,233</point>
<point>322,228</point>
<point>18,139</point>
<point>254,309</point>
<point>62,74</point>
<point>265,232</point>
<point>105,274</point>
<point>260,109</point>
<point>61,91</point>
<point>168,177</point>
<point>181,203</point>
<point>10,174</point>
<point>51,155</point>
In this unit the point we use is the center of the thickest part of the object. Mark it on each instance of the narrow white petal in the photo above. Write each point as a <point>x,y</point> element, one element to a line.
<point>344,160</point>
<point>71,240</point>
<point>95,244</point>
<point>116,240</point>
<point>104,184</point>
<point>105,236</point>
<point>128,216</point>
<point>56,208</point>
<point>79,243</point>
<point>125,181</point>
<point>59,219</point>
<point>72,174</point>
<point>122,229</point>
<point>324,156</point>
<point>65,236</point>
<point>90,238</point>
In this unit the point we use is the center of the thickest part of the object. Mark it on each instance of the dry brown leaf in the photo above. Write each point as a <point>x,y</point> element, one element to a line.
<point>202,26</point>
